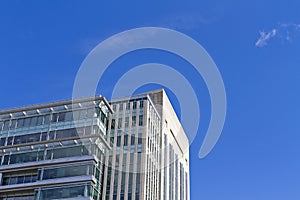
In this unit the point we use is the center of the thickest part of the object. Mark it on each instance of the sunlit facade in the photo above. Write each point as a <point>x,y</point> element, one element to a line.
<point>149,159</point>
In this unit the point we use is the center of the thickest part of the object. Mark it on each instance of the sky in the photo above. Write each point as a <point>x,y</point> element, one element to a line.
<point>255,45</point>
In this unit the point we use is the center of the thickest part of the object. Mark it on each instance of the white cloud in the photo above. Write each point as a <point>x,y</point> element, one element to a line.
<point>284,31</point>
<point>264,37</point>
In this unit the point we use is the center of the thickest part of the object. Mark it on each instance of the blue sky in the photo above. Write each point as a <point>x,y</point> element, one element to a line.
<point>255,45</point>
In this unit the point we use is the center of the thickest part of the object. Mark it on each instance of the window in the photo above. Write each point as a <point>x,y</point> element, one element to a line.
<point>67,152</point>
<point>33,121</point>
<point>13,124</point>
<point>9,140</point>
<point>134,105</point>
<point>54,117</point>
<point>61,117</point>
<point>20,123</point>
<point>39,120</point>
<point>133,120</point>
<point>6,125</point>
<point>125,140</point>
<point>141,120</point>
<point>83,114</point>
<point>119,141</point>
<point>26,157</point>
<point>47,119</point>
<point>2,142</point>
<point>69,116</point>
<point>22,139</point>
<point>113,123</point>
<point>120,123</point>
<point>141,104</point>
<point>103,117</point>
<point>1,125</point>
<point>67,133</point>
<point>19,179</point>
<point>120,107</point>
<point>126,121</point>
<point>61,193</point>
<point>67,171</point>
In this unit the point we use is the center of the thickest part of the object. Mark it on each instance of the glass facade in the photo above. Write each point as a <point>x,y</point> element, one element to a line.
<point>48,148</point>
<point>87,149</point>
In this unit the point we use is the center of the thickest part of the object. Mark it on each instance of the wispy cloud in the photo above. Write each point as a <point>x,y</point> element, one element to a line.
<point>265,37</point>
<point>283,31</point>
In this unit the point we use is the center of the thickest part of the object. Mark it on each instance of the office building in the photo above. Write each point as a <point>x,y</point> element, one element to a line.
<point>132,148</point>
<point>53,151</point>
<point>149,159</point>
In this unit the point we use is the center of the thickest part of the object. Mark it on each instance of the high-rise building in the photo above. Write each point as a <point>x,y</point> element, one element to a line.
<point>133,148</point>
<point>149,159</point>
<point>53,151</point>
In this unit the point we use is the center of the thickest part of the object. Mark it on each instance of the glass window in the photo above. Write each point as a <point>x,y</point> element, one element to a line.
<point>61,117</point>
<point>126,121</point>
<point>125,140</point>
<point>39,120</point>
<point>121,107</point>
<point>118,141</point>
<point>91,113</point>
<point>5,160</point>
<point>6,125</point>
<point>33,121</point>
<point>141,104</point>
<point>66,133</point>
<point>67,171</point>
<point>10,140</point>
<point>141,120</point>
<point>20,123</point>
<point>47,119</point>
<point>51,135</point>
<point>133,120</point>
<point>20,179</point>
<point>83,114</point>
<point>76,115</point>
<point>103,117</point>
<point>33,137</point>
<point>44,136</point>
<point>69,116</point>
<point>13,124</point>
<point>60,193</point>
<point>2,142</point>
<point>113,121</point>
<point>23,157</point>
<point>119,123</point>
<point>54,117</point>
<point>27,121</point>
<point>1,125</point>
<point>88,130</point>
<point>132,140</point>
<point>134,105</point>
<point>67,152</point>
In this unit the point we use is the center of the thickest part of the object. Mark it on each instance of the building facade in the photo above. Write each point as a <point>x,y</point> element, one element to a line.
<point>133,148</point>
<point>149,159</point>
<point>53,151</point>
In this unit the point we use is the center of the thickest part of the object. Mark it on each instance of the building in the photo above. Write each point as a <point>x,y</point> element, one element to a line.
<point>149,159</point>
<point>133,149</point>
<point>53,151</point>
